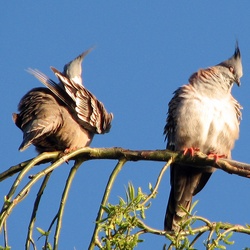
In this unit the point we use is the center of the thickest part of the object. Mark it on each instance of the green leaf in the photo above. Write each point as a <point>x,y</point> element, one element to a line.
<point>221,247</point>
<point>142,213</point>
<point>217,227</point>
<point>131,191</point>
<point>150,187</point>
<point>122,201</point>
<point>193,206</point>
<point>106,209</point>
<point>227,237</point>
<point>42,232</point>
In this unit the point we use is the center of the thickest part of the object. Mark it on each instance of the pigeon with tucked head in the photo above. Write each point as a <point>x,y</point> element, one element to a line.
<point>62,116</point>
<point>202,115</point>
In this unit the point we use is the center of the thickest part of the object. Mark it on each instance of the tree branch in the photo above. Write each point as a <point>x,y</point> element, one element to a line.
<point>122,155</point>
<point>29,238</point>
<point>199,159</point>
<point>63,201</point>
<point>94,240</point>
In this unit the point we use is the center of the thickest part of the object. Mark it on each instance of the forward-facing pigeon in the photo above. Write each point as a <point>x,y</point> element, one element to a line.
<point>202,115</point>
<point>63,116</point>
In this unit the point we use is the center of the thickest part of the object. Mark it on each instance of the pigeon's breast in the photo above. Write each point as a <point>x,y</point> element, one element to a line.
<point>208,124</point>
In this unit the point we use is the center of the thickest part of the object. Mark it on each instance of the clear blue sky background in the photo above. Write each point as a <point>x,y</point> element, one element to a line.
<point>144,51</point>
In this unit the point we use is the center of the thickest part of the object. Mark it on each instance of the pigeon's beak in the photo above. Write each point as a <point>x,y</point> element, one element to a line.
<point>237,81</point>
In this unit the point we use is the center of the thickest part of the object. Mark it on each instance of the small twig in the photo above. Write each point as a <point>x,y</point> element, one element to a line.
<point>211,225</point>
<point>157,182</point>
<point>170,246</point>
<point>147,229</point>
<point>230,229</point>
<point>206,221</point>
<point>50,226</point>
<point>5,234</point>
<point>8,208</point>
<point>32,243</point>
<point>13,170</point>
<point>209,238</point>
<point>196,238</point>
<point>34,212</point>
<point>63,201</point>
<point>112,177</point>
<point>25,170</point>
<point>46,157</point>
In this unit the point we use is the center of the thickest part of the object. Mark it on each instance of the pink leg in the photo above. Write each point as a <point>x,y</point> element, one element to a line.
<point>190,151</point>
<point>216,156</point>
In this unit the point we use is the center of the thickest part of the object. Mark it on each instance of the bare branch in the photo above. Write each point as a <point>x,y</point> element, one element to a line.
<point>63,201</point>
<point>29,238</point>
<point>115,172</point>
<point>199,159</point>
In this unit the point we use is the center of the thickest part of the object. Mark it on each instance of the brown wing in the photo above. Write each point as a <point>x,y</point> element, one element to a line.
<point>89,109</point>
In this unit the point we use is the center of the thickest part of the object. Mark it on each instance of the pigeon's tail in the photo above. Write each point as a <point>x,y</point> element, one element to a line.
<point>175,213</point>
<point>186,182</point>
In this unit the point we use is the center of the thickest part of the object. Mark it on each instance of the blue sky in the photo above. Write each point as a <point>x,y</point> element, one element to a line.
<point>144,50</point>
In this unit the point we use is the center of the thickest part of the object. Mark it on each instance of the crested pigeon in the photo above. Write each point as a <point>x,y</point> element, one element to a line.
<point>63,116</point>
<point>203,115</point>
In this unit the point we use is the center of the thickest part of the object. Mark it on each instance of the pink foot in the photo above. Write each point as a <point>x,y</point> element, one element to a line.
<point>190,151</point>
<point>68,150</point>
<point>216,156</point>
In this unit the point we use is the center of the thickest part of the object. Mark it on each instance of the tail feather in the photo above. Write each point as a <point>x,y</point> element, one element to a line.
<point>186,181</point>
<point>175,213</point>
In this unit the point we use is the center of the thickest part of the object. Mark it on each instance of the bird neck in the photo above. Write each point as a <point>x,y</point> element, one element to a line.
<point>211,82</point>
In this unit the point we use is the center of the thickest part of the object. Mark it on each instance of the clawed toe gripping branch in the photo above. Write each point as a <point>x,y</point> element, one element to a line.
<point>129,225</point>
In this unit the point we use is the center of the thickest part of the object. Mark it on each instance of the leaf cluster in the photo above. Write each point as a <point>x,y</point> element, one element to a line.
<point>122,219</point>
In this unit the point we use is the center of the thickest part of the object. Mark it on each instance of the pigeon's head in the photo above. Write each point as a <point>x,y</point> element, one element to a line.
<point>234,65</point>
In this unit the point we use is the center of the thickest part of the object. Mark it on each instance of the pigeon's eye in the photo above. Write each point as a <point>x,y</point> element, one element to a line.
<point>231,69</point>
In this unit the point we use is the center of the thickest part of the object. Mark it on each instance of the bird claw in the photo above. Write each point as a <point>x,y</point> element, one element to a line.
<point>190,151</point>
<point>216,156</point>
<point>69,150</point>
